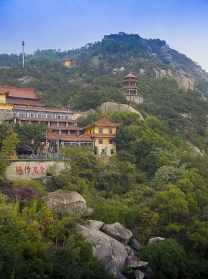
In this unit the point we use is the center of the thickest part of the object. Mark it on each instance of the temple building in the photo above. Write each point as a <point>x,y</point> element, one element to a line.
<point>103,133</point>
<point>98,136</point>
<point>22,105</point>
<point>131,89</point>
<point>57,141</point>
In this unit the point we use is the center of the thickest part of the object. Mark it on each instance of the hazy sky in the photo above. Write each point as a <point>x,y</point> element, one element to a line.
<point>65,24</point>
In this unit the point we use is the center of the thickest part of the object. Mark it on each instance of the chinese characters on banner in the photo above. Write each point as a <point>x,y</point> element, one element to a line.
<point>30,170</point>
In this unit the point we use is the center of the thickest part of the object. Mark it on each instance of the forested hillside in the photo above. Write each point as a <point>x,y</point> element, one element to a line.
<point>156,184</point>
<point>97,73</point>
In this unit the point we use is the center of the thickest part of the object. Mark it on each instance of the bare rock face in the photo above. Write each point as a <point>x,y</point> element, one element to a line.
<point>118,232</point>
<point>155,240</point>
<point>66,202</point>
<point>109,107</point>
<point>107,250</point>
<point>184,80</point>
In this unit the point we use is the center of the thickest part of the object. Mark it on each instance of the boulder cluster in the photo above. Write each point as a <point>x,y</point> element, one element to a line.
<point>113,245</point>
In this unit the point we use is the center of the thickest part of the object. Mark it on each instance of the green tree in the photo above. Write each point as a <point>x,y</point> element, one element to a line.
<point>30,137</point>
<point>167,259</point>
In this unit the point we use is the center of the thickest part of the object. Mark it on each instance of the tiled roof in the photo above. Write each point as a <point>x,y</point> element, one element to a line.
<point>25,93</point>
<point>69,138</point>
<point>70,128</point>
<point>24,102</point>
<point>105,122</point>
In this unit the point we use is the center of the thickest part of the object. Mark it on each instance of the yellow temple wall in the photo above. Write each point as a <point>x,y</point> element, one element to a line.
<point>5,106</point>
<point>2,99</point>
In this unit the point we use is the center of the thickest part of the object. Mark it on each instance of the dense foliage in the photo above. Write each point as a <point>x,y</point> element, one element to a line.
<point>34,244</point>
<point>157,184</point>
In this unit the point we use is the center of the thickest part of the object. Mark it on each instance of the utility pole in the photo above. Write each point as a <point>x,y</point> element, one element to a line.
<point>23,54</point>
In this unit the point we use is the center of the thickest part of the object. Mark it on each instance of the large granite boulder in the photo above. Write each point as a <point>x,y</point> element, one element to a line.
<point>107,250</point>
<point>95,225</point>
<point>118,232</point>
<point>66,202</point>
<point>109,107</point>
<point>111,246</point>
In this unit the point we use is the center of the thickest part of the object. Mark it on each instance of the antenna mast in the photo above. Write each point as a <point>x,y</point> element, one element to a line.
<point>23,54</point>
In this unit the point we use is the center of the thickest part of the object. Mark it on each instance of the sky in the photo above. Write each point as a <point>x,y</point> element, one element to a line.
<point>66,24</point>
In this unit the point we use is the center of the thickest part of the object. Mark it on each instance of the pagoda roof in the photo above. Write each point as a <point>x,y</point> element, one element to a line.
<point>130,75</point>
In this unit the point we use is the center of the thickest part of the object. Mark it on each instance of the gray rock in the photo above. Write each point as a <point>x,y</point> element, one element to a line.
<point>155,240</point>
<point>110,252</point>
<point>135,263</point>
<point>95,225</point>
<point>134,244</point>
<point>118,232</point>
<point>129,251</point>
<point>66,202</point>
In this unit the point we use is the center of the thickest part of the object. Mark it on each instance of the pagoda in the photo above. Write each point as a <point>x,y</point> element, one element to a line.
<point>131,89</point>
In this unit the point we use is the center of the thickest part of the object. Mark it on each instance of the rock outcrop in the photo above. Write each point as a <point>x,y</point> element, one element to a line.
<point>66,202</point>
<point>111,246</point>
<point>118,232</point>
<point>107,250</point>
<point>184,80</point>
<point>109,107</point>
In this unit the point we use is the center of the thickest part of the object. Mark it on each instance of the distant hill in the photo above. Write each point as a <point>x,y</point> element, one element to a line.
<point>173,86</point>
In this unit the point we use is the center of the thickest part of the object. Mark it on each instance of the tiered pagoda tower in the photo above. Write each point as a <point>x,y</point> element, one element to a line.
<point>131,89</point>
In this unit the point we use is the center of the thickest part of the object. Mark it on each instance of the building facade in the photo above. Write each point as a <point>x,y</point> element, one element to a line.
<point>103,133</point>
<point>23,106</point>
